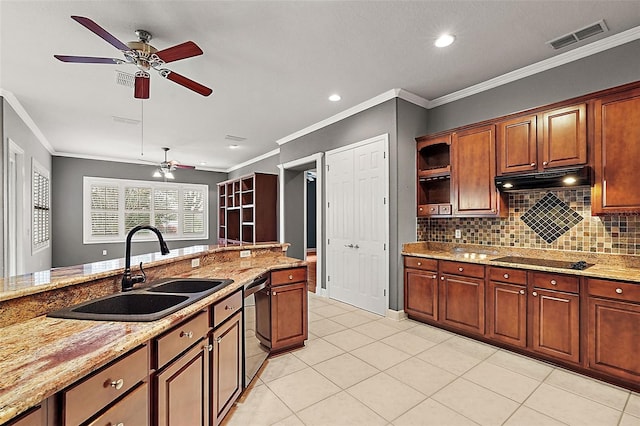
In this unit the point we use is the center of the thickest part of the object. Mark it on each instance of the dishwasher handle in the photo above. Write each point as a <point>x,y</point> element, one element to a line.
<point>256,285</point>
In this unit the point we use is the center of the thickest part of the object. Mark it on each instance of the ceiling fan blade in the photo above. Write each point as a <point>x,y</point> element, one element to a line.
<point>101,32</point>
<point>87,59</point>
<point>186,82</point>
<point>174,164</point>
<point>185,50</point>
<point>141,89</point>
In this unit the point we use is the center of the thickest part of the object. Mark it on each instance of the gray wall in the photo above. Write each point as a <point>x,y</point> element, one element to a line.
<point>2,181</point>
<point>67,178</point>
<point>15,129</point>
<point>294,182</point>
<point>266,165</point>
<point>607,69</point>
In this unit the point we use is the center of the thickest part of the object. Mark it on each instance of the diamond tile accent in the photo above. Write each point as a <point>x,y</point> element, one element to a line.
<point>550,217</point>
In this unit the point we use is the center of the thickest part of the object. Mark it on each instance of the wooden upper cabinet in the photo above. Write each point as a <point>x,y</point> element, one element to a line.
<point>473,172</point>
<point>517,145</point>
<point>564,137</point>
<point>616,154</point>
<point>434,175</point>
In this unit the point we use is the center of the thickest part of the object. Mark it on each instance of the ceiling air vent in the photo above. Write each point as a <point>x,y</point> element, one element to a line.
<point>125,79</point>
<point>235,138</point>
<point>579,35</point>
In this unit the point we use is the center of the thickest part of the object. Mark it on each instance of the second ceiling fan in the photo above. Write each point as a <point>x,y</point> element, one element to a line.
<point>141,54</point>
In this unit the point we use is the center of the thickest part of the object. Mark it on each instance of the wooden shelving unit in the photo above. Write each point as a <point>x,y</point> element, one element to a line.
<point>247,209</point>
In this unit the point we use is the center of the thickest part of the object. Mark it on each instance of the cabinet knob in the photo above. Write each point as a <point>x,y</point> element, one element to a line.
<point>187,334</point>
<point>432,209</point>
<point>535,293</point>
<point>506,276</point>
<point>521,292</point>
<point>554,282</point>
<point>291,276</point>
<point>117,384</point>
<point>228,308</point>
<point>218,340</point>
<point>420,209</point>
<point>419,263</point>
<point>434,277</point>
<point>544,163</point>
<point>461,269</point>
<point>619,290</point>
<point>442,278</point>
<point>207,348</point>
<point>120,424</point>
<point>273,293</point>
<point>533,164</point>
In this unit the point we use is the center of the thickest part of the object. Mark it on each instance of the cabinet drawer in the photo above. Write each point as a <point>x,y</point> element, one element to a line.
<point>421,263</point>
<point>181,337</point>
<point>508,275</point>
<point>287,276</point>
<point>96,392</point>
<point>462,268</point>
<point>132,410</point>
<point>555,282</point>
<point>226,307</point>
<point>614,290</point>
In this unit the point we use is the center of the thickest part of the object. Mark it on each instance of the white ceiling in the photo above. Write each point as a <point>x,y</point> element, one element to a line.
<point>271,65</point>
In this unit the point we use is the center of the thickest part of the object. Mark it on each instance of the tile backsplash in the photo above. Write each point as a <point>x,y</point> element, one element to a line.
<point>616,234</point>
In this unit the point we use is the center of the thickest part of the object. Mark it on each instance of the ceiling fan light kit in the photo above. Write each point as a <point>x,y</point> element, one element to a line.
<point>167,167</point>
<point>144,56</point>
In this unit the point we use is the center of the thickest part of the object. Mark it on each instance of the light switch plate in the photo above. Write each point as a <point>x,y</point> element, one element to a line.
<point>245,253</point>
<point>195,262</point>
<point>104,252</point>
<point>458,233</point>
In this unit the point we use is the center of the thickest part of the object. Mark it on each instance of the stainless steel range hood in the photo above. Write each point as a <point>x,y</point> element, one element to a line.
<point>556,178</point>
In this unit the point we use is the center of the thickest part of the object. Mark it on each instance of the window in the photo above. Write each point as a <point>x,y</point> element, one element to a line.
<point>112,207</point>
<point>41,208</point>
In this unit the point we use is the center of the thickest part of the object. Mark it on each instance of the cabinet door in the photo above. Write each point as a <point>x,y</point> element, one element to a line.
<point>133,409</point>
<point>288,316</point>
<point>517,145</point>
<point>461,302</point>
<point>473,173</point>
<point>613,338</point>
<point>183,389</point>
<point>564,140</point>
<point>556,324</point>
<point>507,313</point>
<point>421,294</point>
<point>227,366</point>
<point>36,416</point>
<point>617,149</point>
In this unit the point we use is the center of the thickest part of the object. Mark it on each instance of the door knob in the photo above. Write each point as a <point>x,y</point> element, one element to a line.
<point>350,245</point>
<point>356,246</point>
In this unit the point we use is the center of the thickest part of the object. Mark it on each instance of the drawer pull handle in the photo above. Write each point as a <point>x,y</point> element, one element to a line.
<point>506,276</point>
<point>619,290</point>
<point>117,384</point>
<point>533,164</point>
<point>228,308</point>
<point>535,293</point>
<point>419,263</point>
<point>545,163</point>
<point>521,292</point>
<point>554,282</point>
<point>291,276</point>
<point>434,277</point>
<point>273,293</point>
<point>420,209</point>
<point>187,334</point>
<point>461,269</point>
<point>442,278</point>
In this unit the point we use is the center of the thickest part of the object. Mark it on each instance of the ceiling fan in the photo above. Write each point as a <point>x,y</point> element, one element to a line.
<point>168,166</point>
<point>143,55</point>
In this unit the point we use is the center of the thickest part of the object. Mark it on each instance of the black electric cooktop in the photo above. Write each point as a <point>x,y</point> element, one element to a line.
<point>580,265</point>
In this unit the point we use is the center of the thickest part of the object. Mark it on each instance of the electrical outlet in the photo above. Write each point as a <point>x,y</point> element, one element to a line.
<point>245,253</point>
<point>195,262</point>
<point>104,252</point>
<point>458,233</point>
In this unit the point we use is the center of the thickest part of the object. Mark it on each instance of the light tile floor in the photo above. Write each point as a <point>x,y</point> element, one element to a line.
<point>358,368</point>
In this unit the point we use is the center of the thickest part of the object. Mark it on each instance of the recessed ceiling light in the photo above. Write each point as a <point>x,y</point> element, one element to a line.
<point>202,163</point>
<point>335,97</point>
<point>445,40</point>
<point>234,146</point>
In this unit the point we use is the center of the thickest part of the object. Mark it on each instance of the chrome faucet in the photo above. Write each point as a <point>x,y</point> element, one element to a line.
<point>129,280</point>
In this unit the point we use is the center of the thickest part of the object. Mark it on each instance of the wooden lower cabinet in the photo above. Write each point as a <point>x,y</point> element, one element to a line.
<point>183,389</point>
<point>133,409</point>
<point>613,327</point>
<point>226,372</point>
<point>461,302</point>
<point>507,313</point>
<point>36,416</point>
<point>421,294</point>
<point>556,324</point>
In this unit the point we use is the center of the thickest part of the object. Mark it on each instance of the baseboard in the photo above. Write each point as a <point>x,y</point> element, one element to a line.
<point>396,315</point>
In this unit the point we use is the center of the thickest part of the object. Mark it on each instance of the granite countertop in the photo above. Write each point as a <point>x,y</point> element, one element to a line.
<point>42,356</point>
<point>615,267</point>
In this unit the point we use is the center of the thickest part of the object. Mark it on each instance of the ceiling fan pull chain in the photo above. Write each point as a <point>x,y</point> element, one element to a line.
<point>142,127</point>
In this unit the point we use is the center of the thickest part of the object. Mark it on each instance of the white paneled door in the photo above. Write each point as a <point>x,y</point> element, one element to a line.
<point>357,224</point>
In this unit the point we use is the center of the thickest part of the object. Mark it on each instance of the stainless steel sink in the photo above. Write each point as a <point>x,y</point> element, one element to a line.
<point>189,285</point>
<point>149,304</point>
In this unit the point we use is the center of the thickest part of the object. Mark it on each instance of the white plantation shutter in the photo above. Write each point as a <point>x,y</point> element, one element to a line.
<point>41,210</point>
<point>114,206</point>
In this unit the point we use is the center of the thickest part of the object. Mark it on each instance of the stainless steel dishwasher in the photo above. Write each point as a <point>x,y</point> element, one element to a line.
<point>254,352</point>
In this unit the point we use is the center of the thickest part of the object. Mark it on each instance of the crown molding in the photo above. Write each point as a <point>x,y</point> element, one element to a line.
<point>126,161</point>
<point>547,64</point>
<point>26,118</point>
<point>253,160</point>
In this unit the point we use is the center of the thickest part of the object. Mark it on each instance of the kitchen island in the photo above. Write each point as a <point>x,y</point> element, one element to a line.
<point>40,356</point>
